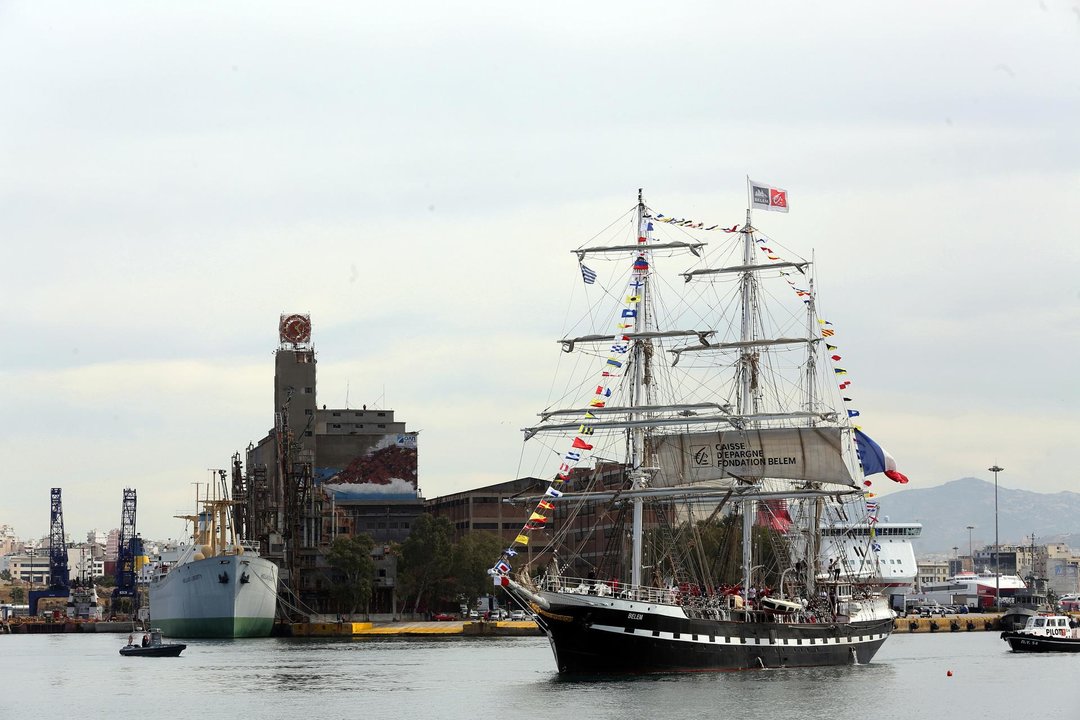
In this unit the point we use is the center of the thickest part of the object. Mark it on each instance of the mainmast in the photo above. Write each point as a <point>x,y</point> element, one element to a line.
<point>747,385</point>
<point>638,479</point>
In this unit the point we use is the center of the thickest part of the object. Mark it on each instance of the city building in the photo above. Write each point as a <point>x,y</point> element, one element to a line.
<point>112,545</point>
<point>493,508</point>
<point>1062,570</point>
<point>322,473</point>
<point>32,566</point>
<point>990,559</point>
<point>9,543</point>
<point>595,527</point>
<point>931,572</point>
<point>86,561</point>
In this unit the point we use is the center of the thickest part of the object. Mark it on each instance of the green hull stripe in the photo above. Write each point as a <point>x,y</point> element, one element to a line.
<point>221,627</point>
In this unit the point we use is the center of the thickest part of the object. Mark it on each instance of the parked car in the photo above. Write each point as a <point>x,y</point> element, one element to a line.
<point>518,615</point>
<point>444,616</point>
<point>931,611</point>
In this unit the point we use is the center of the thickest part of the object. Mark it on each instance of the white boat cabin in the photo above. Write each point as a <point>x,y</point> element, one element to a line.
<point>1058,626</point>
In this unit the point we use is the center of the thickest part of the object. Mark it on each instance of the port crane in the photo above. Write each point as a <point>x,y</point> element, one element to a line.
<point>59,577</point>
<point>128,548</point>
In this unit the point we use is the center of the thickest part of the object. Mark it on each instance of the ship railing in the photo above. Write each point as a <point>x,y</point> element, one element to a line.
<point>611,588</point>
<point>250,546</point>
<point>715,606</point>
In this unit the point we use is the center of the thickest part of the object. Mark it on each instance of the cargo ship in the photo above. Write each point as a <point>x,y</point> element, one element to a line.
<point>219,587</point>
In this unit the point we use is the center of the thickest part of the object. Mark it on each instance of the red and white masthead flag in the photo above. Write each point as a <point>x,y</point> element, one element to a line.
<point>767,197</point>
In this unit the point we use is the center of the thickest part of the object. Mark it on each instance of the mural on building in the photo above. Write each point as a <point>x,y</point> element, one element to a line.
<point>384,470</point>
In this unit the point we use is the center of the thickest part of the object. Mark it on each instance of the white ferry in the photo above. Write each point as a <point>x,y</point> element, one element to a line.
<point>976,589</point>
<point>892,567</point>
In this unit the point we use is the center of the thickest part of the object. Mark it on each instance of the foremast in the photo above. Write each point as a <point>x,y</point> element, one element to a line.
<point>813,533</point>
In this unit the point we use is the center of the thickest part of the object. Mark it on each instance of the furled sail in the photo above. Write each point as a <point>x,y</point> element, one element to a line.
<point>810,454</point>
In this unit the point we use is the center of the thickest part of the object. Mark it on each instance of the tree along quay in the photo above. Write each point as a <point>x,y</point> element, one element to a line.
<point>433,572</point>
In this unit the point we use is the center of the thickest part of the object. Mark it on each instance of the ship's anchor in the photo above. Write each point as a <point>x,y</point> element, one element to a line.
<point>223,578</point>
<point>244,578</point>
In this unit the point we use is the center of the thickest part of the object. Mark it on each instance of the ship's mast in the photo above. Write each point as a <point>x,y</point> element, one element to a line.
<point>813,533</point>
<point>637,434</point>
<point>811,349</point>
<point>747,370</point>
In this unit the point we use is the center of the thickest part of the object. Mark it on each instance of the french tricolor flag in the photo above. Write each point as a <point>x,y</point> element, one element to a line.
<point>875,459</point>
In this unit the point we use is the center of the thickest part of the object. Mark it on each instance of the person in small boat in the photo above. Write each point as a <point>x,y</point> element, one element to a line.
<point>131,639</point>
<point>145,640</point>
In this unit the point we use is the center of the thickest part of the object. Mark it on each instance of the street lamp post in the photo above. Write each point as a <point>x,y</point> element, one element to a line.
<point>971,551</point>
<point>997,546</point>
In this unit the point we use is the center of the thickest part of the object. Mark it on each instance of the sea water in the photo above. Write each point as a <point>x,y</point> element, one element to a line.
<point>85,677</point>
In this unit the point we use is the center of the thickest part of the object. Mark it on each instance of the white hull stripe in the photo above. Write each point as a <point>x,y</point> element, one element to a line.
<point>721,640</point>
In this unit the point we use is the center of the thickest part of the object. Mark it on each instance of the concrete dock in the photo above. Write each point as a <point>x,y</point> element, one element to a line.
<point>23,625</point>
<point>499,628</point>
<point>968,622</point>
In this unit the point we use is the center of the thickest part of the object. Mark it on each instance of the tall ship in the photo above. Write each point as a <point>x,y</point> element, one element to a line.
<point>219,587</point>
<point>704,438</point>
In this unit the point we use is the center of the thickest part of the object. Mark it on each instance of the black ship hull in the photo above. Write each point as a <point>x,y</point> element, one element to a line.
<point>1023,642</point>
<point>597,640</point>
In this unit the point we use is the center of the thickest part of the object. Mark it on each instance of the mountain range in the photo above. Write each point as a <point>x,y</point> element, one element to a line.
<point>947,510</point>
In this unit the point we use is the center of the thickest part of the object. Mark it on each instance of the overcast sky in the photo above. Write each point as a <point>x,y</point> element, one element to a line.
<point>174,176</point>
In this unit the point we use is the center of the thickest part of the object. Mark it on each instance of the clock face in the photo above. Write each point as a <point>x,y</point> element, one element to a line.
<point>295,329</point>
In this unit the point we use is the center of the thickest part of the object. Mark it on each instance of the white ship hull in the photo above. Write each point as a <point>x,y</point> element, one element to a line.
<point>225,596</point>
<point>981,588</point>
